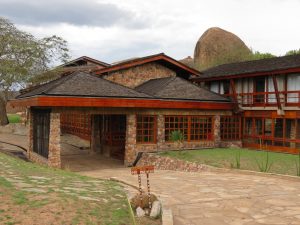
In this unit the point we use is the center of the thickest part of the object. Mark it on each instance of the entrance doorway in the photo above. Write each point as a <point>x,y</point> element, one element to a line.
<point>109,134</point>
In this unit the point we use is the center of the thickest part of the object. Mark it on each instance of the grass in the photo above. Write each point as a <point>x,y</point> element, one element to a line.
<point>245,159</point>
<point>22,206</point>
<point>14,118</point>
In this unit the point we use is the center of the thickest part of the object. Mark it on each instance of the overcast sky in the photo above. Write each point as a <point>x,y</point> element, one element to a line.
<point>111,30</point>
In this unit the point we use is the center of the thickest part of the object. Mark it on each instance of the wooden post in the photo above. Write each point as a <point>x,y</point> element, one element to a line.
<point>276,92</point>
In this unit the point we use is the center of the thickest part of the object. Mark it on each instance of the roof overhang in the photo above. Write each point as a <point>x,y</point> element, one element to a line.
<point>255,74</point>
<point>148,59</point>
<point>62,101</point>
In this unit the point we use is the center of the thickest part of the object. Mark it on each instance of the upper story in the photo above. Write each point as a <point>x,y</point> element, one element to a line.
<point>267,84</point>
<point>134,72</point>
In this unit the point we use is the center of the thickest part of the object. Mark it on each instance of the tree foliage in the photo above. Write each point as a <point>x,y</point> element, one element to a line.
<point>293,52</point>
<point>25,59</point>
<point>258,55</point>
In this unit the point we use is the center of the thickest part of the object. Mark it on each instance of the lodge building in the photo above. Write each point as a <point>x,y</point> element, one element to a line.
<point>135,105</point>
<point>266,94</point>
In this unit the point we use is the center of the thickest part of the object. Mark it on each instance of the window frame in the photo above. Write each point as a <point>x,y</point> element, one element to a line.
<point>142,129</point>
<point>189,127</point>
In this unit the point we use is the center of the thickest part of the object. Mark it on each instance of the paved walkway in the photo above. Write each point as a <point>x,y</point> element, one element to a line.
<point>217,198</point>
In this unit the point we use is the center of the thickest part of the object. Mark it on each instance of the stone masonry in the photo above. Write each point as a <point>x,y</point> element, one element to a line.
<point>54,141</point>
<point>137,75</point>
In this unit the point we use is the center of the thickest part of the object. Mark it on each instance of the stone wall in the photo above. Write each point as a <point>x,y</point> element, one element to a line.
<point>167,163</point>
<point>137,75</point>
<point>231,144</point>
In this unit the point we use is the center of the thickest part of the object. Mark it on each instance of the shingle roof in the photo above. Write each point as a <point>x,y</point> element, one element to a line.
<point>178,88</point>
<point>84,84</point>
<point>87,85</point>
<point>263,65</point>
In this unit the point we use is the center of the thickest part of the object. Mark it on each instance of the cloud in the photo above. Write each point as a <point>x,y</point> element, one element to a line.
<point>111,30</point>
<point>75,12</point>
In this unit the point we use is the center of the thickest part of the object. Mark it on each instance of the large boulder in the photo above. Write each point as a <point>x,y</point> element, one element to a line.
<point>217,46</point>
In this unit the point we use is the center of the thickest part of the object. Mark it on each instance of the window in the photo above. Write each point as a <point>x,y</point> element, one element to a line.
<point>293,84</point>
<point>146,129</point>
<point>201,128</point>
<point>41,130</point>
<point>230,127</point>
<point>176,123</point>
<point>248,126</point>
<point>258,126</point>
<point>193,128</point>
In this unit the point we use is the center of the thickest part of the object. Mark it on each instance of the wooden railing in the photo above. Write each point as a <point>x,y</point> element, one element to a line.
<point>286,98</point>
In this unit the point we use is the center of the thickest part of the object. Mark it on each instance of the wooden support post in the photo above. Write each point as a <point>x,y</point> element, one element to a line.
<point>276,92</point>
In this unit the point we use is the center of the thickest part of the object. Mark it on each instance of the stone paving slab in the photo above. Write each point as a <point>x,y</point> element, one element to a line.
<point>220,197</point>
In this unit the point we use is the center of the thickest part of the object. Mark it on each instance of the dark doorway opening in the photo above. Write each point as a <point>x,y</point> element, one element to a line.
<point>259,87</point>
<point>109,135</point>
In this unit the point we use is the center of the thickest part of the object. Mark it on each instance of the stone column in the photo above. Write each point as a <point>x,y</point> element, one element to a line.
<point>160,132</point>
<point>95,134</point>
<point>217,131</point>
<point>130,153</point>
<point>54,159</point>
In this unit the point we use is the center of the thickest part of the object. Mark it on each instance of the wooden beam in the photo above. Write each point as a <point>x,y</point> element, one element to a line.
<point>276,92</point>
<point>57,101</point>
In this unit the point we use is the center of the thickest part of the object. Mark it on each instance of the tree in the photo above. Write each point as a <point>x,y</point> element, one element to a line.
<point>25,60</point>
<point>293,52</point>
<point>258,55</point>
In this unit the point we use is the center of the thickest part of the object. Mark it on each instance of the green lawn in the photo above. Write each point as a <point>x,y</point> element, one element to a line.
<point>33,194</point>
<point>14,118</point>
<point>249,159</point>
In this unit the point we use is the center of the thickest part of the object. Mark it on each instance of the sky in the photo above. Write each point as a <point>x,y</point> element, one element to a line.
<point>113,30</point>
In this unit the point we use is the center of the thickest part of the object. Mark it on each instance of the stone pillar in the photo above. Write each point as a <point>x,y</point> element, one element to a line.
<point>217,131</point>
<point>54,159</point>
<point>130,153</point>
<point>95,134</point>
<point>30,133</point>
<point>160,132</point>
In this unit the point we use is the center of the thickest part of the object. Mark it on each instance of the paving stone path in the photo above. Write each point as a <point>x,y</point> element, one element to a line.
<point>217,198</point>
<point>85,189</point>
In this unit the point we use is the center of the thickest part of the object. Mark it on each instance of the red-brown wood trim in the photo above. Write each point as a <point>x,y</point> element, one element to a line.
<point>147,60</point>
<point>55,101</point>
<point>271,72</point>
<point>276,91</point>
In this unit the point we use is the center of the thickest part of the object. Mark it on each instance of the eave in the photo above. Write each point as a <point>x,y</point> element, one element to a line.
<point>62,101</point>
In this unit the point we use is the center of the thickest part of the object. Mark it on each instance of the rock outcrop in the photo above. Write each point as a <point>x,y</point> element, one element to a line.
<point>217,46</point>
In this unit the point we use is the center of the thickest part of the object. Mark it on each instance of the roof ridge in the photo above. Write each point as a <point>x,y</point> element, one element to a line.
<point>63,79</point>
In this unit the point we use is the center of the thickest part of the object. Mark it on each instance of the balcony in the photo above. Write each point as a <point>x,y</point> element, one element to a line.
<point>263,99</point>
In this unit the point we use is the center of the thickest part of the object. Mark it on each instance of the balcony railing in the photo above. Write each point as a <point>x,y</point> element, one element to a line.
<point>286,98</point>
